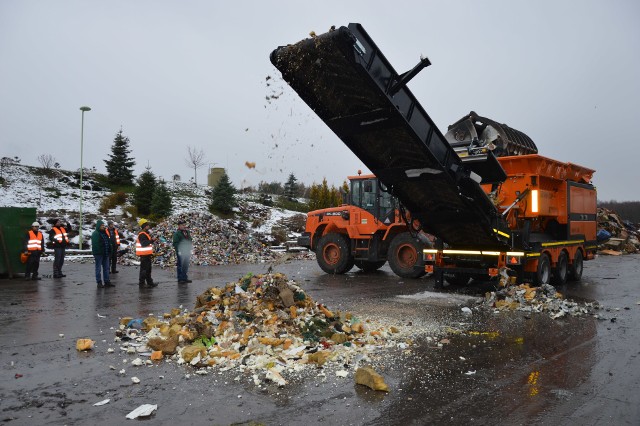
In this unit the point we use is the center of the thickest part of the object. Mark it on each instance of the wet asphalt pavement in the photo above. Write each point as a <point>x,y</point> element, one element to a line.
<point>506,368</point>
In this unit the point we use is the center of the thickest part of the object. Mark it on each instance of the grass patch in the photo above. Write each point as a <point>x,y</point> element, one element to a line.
<point>112,201</point>
<point>296,206</point>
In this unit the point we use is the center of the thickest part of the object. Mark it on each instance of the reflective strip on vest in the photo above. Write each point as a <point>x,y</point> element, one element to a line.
<point>117,236</point>
<point>61,235</point>
<point>35,241</point>
<point>143,251</point>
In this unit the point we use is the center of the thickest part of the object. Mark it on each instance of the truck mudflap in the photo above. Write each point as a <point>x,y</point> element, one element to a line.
<point>348,82</point>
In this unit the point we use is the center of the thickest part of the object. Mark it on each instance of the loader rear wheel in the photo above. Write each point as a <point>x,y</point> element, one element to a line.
<point>561,270</point>
<point>334,254</point>
<point>575,270</point>
<point>543,273</point>
<point>368,266</point>
<point>405,256</point>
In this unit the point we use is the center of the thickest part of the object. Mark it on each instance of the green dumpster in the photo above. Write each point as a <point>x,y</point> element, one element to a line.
<point>14,223</point>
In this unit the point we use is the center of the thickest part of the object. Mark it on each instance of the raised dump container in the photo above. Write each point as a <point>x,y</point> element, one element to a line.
<point>348,82</point>
<point>14,223</point>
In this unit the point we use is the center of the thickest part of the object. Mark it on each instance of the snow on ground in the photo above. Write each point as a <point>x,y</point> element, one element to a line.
<point>59,196</point>
<point>23,188</point>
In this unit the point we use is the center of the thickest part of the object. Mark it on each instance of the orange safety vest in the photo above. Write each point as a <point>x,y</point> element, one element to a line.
<point>117,235</point>
<point>143,251</point>
<point>61,235</point>
<point>35,241</point>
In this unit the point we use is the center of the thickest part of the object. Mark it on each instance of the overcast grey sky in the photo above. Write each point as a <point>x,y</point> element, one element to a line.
<point>178,73</point>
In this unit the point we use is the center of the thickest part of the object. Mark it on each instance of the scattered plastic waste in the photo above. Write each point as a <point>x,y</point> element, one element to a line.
<point>103,402</point>
<point>84,344</point>
<point>265,325</point>
<point>144,410</point>
<point>367,376</point>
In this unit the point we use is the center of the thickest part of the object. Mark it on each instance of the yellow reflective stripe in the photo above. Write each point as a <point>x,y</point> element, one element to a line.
<point>461,251</point>
<point>491,253</point>
<point>515,253</point>
<point>533,254</point>
<point>501,233</point>
<point>562,243</point>
<point>430,251</point>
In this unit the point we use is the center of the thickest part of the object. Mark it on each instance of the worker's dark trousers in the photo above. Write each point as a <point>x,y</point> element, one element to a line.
<point>58,261</point>
<point>33,263</point>
<point>114,258</point>
<point>145,270</point>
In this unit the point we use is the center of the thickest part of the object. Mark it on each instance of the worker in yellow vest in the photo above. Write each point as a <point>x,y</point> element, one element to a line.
<point>114,237</point>
<point>144,249</point>
<point>34,247</point>
<point>59,240</point>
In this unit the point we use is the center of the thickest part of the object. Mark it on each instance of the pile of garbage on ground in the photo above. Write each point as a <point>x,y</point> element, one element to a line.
<point>616,236</point>
<point>544,298</point>
<point>264,326</point>
<point>215,242</point>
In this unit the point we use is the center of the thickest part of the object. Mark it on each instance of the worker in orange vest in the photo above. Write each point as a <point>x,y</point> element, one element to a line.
<point>114,237</point>
<point>34,247</point>
<point>144,249</point>
<point>59,240</point>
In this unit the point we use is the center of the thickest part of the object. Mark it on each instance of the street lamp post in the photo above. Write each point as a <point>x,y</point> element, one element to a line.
<point>83,109</point>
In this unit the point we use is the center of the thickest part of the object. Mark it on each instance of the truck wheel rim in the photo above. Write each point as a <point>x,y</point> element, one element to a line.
<point>331,254</point>
<point>407,255</point>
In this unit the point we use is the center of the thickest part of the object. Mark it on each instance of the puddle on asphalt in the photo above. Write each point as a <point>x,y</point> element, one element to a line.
<point>439,299</point>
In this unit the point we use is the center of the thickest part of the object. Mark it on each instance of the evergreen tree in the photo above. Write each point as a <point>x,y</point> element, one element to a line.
<point>120,165</point>
<point>143,195</point>
<point>161,205</point>
<point>291,187</point>
<point>325,194</point>
<point>322,196</point>
<point>314,197</point>
<point>223,198</point>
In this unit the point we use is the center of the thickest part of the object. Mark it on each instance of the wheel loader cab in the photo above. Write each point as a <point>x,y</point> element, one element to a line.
<point>366,193</point>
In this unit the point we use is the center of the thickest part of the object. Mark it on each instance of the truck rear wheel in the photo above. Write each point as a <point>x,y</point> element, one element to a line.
<point>368,266</point>
<point>543,273</point>
<point>334,254</point>
<point>561,270</point>
<point>575,270</point>
<point>405,256</point>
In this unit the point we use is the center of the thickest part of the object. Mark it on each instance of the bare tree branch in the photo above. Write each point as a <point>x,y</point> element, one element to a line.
<point>46,161</point>
<point>195,160</point>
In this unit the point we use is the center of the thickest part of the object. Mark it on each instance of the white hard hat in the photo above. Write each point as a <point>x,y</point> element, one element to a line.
<point>35,224</point>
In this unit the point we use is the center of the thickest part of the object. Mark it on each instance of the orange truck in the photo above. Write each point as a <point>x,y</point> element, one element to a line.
<point>368,229</point>
<point>493,204</point>
<point>550,210</point>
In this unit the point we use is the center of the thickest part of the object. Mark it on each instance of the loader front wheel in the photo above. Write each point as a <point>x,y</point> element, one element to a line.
<point>406,257</point>
<point>334,254</point>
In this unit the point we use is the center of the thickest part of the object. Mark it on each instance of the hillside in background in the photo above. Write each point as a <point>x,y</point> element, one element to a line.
<point>56,194</point>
